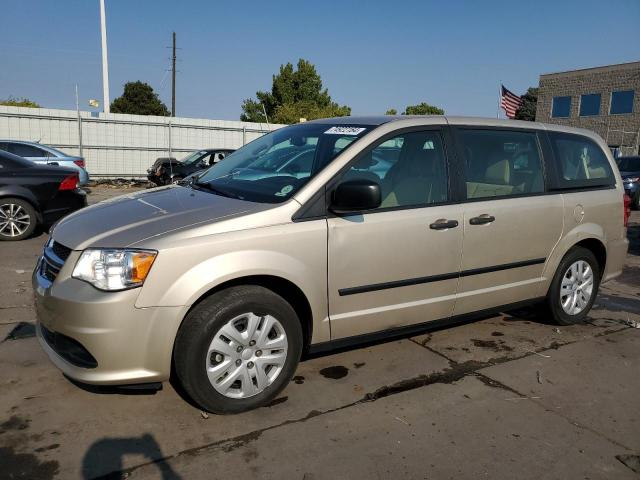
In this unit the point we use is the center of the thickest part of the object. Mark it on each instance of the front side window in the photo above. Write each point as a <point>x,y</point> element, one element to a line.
<point>501,163</point>
<point>410,169</point>
<point>621,102</point>
<point>274,167</point>
<point>590,105</point>
<point>579,162</point>
<point>561,107</point>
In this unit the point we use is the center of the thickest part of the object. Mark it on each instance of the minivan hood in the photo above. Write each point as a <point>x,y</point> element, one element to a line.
<point>629,174</point>
<point>124,220</point>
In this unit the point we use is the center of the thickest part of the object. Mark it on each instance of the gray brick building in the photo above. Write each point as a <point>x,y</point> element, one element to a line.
<point>604,99</point>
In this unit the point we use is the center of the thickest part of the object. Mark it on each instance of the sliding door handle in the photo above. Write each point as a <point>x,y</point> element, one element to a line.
<point>482,219</point>
<point>443,224</point>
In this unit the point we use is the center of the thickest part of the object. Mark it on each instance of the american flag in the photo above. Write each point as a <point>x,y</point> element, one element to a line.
<point>510,102</point>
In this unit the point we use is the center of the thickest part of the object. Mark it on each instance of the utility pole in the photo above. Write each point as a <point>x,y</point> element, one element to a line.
<point>173,78</point>
<point>79,122</point>
<point>105,63</point>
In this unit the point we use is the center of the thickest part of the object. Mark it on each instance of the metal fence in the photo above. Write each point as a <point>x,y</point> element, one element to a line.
<point>118,145</point>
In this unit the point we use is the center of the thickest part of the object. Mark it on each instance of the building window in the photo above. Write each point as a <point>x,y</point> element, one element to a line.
<point>590,105</point>
<point>621,102</point>
<point>561,107</point>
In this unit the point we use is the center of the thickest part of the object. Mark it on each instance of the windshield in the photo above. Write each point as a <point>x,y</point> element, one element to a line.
<point>629,164</point>
<point>273,167</point>
<point>192,157</point>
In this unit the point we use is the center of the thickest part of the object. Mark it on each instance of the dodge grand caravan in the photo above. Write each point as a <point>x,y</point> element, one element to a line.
<point>391,225</point>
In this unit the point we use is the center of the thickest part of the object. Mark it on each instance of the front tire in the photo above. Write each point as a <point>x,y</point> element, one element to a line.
<point>237,349</point>
<point>18,219</point>
<point>574,287</point>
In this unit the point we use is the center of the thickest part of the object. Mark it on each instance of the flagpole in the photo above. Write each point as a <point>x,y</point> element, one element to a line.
<point>499,99</point>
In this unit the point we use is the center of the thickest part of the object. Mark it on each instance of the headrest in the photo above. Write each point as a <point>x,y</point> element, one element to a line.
<point>364,162</point>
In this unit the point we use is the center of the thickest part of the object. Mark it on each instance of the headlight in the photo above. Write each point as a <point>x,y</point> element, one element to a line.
<point>108,269</point>
<point>631,179</point>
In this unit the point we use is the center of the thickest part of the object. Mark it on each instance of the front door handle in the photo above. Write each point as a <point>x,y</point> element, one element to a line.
<point>482,219</point>
<point>443,224</point>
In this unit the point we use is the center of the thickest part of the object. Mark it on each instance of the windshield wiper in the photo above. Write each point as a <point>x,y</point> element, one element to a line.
<point>212,189</point>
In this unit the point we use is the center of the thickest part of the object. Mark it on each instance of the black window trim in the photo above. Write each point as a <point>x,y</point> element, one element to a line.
<point>317,207</point>
<point>555,180</point>
<point>542,153</point>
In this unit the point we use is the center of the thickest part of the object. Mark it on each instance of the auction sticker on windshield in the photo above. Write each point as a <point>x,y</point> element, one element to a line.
<point>345,130</point>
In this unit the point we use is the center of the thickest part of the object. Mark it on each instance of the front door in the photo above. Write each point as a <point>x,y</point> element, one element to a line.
<point>397,265</point>
<point>510,224</point>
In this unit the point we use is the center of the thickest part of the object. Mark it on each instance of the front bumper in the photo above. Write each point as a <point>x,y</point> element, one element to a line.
<point>129,345</point>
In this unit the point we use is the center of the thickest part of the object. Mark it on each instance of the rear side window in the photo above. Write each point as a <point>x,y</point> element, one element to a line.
<point>579,162</point>
<point>501,163</point>
<point>23,150</point>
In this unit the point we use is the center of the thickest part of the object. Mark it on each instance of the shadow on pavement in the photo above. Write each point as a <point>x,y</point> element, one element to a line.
<point>106,455</point>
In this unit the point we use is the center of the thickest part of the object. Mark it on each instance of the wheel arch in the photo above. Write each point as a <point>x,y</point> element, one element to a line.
<point>25,196</point>
<point>288,290</point>
<point>590,236</point>
<point>596,247</point>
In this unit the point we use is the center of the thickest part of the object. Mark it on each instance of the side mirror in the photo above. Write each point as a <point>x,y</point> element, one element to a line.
<point>356,196</point>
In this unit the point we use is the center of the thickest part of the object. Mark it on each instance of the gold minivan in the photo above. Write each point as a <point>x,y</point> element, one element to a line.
<point>323,234</point>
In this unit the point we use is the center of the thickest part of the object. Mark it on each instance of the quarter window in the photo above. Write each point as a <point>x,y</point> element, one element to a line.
<point>590,105</point>
<point>621,102</point>
<point>561,107</point>
<point>410,169</point>
<point>579,162</point>
<point>501,163</point>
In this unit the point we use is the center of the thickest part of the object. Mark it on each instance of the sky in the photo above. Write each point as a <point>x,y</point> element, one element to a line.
<point>371,55</point>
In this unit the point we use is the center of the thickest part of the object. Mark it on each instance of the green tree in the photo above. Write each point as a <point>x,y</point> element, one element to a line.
<point>527,110</point>
<point>139,98</point>
<point>422,109</point>
<point>19,102</point>
<point>295,93</point>
<point>391,111</point>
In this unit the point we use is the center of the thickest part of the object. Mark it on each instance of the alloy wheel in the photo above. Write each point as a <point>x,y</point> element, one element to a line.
<point>14,220</point>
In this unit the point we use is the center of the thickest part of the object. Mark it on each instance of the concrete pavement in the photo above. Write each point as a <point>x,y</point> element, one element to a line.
<point>511,396</point>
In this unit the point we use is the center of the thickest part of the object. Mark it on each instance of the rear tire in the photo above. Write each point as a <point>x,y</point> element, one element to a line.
<point>237,349</point>
<point>574,287</point>
<point>18,219</point>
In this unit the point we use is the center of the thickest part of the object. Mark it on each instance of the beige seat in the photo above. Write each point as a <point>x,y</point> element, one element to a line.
<point>497,181</point>
<point>414,180</point>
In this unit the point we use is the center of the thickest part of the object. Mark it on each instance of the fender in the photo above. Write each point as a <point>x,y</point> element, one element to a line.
<point>191,285</point>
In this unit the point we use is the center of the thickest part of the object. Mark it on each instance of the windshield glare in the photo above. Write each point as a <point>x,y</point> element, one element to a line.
<point>273,167</point>
<point>192,157</point>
